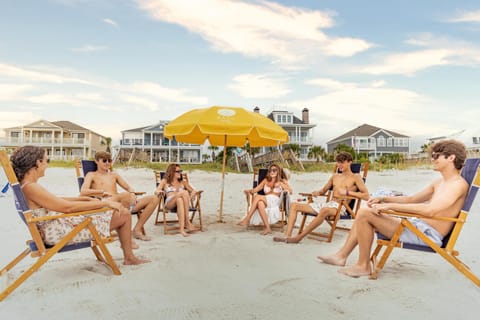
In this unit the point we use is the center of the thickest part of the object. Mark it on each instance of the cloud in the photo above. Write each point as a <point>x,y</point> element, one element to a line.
<point>158,91</point>
<point>288,35</point>
<point>110,22</point>
<point>10,92</point>
<point>258,86</point>
<point>89,48</point>
<point>10,119</point>
<point>471,16</point>
<point>35,75</point>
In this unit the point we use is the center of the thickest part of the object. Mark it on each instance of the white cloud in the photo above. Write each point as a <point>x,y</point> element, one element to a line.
<point>89,48</point>
<point>258,86</point>
<point>257,28</point>
<point>10,119</point>
<point>330,84</point>
<point>472,16</point>
<point>35,75</point>
<point>110,22</point>
<point>169,94</point>
<point>13,91</point>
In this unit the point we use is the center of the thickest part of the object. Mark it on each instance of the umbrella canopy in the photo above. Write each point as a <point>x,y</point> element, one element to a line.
<point>227,127</point>
<point>238,125</point>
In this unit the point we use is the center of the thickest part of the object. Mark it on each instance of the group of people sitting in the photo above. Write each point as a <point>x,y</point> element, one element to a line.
<point>444,197</point>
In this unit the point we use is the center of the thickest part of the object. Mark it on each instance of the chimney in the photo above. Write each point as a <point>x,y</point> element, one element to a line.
<point>256,109</point>
<point>305,116</point>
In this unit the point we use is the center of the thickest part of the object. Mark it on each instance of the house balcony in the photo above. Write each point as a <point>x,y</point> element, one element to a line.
<point>41,142</point>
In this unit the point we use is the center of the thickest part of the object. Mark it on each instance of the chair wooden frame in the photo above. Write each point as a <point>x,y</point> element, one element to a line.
<point>350,203</point>
<point>163,215</point>
<point>258,175</point>
<point>36,248</point>
<point>471,173</point>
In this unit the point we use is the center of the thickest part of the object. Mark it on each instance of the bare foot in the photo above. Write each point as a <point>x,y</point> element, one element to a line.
<point>355,271</point>
<point>291,240</point>
<point>333,260</point>
<point>242,223</point>
<point>192,228</point>
<point>134,261</point>
<point>185,234</point>
<point>265,232</point>
<point>141,236</point>
<point>279,239</point>
<point>134,245</point>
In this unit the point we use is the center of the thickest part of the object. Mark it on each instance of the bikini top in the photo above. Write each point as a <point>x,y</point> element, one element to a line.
<point>170,188</point>
<point>276,189</point>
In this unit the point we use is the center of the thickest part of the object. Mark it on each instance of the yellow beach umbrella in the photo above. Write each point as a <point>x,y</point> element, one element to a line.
<point>227,127</point>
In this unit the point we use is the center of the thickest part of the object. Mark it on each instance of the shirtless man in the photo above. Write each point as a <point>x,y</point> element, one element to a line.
<point>345,183</point>
<point>443,198</point>
<point>104,182</point>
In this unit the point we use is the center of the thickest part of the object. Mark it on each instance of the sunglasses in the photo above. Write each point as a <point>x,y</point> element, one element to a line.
<point>436,155</point>
<point>48,160</point>
<point>178,171</point>
<point>106,160</point>
<point>274,170</point>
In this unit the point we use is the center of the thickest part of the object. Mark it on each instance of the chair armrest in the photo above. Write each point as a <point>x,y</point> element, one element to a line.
<point>416,215</point>
<point>66,215</point>
<point>310,196</point>
<point>138,193</point>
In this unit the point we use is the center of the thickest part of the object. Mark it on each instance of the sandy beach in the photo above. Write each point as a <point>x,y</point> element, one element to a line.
<point>227,272</point>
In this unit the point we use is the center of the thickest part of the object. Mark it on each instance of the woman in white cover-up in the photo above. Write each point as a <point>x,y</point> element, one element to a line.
<point>265,209</point>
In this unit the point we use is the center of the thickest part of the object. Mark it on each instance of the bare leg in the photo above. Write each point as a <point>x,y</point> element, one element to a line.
<point>122,222</point>
<point>263,216</point>
<point>181,216</point>
<point>186,205</point>
<point>256,200</point>
<point>366,222</point>
<point>148,204</point>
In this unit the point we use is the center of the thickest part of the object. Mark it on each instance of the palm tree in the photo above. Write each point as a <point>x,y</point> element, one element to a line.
<point>316,152</point>
<point>213,148</point>
<point>295,149</point>
<point>107,141</point>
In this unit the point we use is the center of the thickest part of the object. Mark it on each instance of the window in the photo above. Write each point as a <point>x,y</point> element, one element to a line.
<point>381,141</point>
<point>389,142</point>
<point>476,140</point>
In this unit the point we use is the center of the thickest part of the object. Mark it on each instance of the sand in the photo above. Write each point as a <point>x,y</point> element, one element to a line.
<point>227,272</point>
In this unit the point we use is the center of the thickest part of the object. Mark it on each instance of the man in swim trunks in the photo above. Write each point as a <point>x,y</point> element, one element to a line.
<point>443,198</point>
<point>345,183</point>
<point>104,182</point>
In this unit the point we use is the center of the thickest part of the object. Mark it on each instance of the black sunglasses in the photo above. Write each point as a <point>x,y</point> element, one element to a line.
<point>106,160</point>
<point>178,171</point>
<point>436,155</point>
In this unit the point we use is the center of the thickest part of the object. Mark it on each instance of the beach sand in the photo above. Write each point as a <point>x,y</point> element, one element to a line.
<point>227,272</point>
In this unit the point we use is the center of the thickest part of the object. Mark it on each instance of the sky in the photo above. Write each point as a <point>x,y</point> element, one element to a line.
<point>407,66</point>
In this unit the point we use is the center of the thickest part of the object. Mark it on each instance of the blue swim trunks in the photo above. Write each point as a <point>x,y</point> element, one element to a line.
<point>410,237</point>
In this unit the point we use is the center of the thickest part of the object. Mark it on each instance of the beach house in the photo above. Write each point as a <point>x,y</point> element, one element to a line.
<point>63,140</point>
<point>300,131</point>
<point>150,142</point>
<point>372,140</point>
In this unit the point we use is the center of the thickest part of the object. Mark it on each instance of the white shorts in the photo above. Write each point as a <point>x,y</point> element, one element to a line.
<point>410,237</point>
<point>317,206</point>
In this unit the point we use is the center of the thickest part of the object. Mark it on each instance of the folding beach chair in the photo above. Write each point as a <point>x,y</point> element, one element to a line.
<point>168,217</point>
<point>86,166</point>
<point>471,173</point>
<point>350,203</point>
<point>36,248</point>
<point>258,176</point>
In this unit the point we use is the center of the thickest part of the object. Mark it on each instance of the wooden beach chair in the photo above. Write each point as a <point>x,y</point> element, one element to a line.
<point>350,203</point>
<point>36,248</point>
<point>471,173</point>
<point>82,167</point>
<point>169,218</point>
<point>258,175</point>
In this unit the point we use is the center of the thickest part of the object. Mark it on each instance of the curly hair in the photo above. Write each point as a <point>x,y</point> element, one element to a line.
<point>25,158</point>
<point>449,147</point>
<point>343,156</point>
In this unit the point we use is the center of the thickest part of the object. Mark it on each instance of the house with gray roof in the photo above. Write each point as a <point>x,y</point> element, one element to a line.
<point>372,140</point>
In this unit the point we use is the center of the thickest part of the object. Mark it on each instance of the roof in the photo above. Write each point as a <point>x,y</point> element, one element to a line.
<point>296,120</point>
<point>66,125</point>
<point>366,130</point>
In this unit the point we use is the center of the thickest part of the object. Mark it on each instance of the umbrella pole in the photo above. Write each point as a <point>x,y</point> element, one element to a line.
<point>220,213</point>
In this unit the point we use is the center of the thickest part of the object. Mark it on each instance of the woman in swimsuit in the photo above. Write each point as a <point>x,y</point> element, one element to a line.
<point>266,208</point>
<point>178,194</point>
<point>29,164</point>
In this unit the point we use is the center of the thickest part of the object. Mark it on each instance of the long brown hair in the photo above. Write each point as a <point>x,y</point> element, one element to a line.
<point>279,173</point>
<point>170,172</point>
